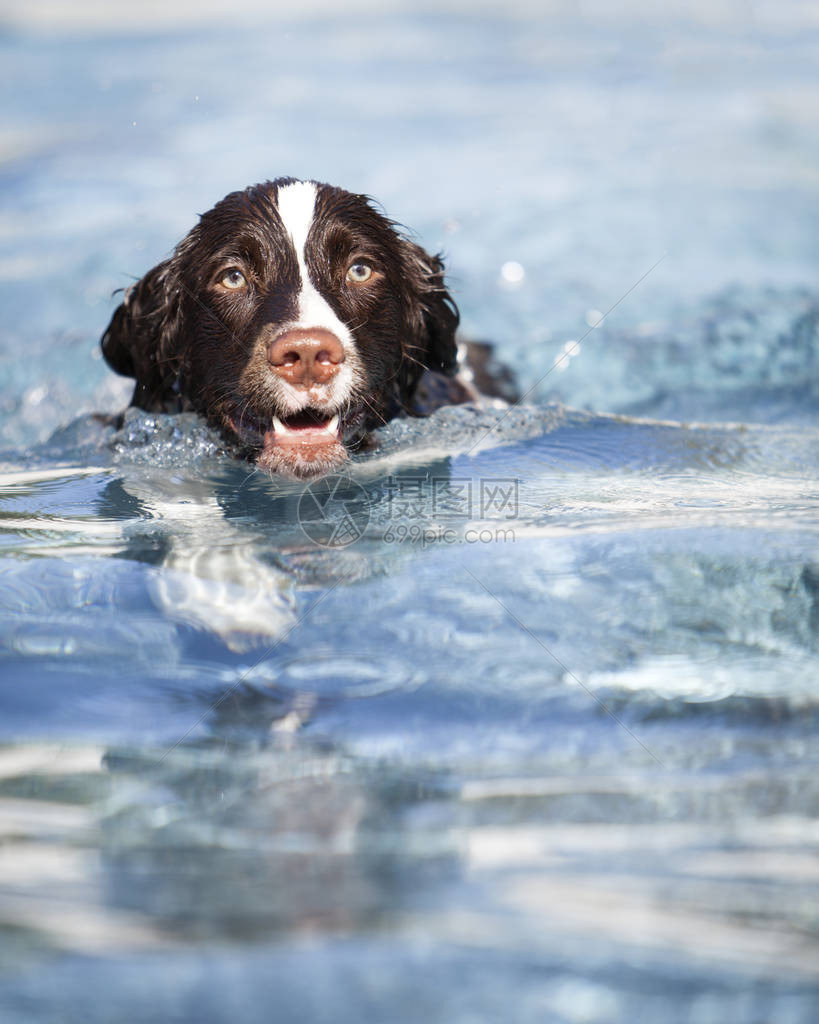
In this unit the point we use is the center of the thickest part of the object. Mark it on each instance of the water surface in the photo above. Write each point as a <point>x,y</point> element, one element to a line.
<point>521,725</point>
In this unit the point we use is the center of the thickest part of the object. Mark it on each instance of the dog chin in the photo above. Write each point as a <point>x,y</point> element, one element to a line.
<point>302,461</point>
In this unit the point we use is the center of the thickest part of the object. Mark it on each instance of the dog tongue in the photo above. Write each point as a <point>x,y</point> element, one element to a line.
<point>305,420</point>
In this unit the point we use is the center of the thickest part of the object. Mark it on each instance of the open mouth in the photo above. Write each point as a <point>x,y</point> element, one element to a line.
<point>308,425</point>
<point>302,445</point>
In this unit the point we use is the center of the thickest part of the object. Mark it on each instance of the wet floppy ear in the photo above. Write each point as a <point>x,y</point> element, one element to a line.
<point>143,339</point>
<point>434,316</point>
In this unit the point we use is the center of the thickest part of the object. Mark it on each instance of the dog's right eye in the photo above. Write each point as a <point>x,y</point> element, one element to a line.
<point>233,279</point>
<point>359,273</point>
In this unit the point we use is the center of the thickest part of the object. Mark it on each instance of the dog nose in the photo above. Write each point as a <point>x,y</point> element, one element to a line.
<point>304,357</point>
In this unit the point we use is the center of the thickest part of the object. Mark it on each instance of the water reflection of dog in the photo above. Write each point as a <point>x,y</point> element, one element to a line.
<point>249,843</point>
<point>232,552</point>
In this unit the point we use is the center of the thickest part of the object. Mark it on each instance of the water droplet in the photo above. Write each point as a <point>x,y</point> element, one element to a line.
<point>594,318</point>
<point>512,272</point>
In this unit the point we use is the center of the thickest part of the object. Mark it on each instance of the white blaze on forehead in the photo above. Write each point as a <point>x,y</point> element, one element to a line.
<point>297,205</point>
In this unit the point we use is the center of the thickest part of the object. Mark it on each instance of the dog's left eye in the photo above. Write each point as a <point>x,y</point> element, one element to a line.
<point>233,279</point>
<point>359,273</point>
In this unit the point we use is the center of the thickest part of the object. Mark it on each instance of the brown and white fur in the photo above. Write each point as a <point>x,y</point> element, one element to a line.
<point>296,318</point>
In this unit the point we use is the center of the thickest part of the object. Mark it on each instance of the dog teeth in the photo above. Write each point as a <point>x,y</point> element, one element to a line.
<point>330,427</point>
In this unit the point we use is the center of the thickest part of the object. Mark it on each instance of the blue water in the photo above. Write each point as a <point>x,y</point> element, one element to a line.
<point>521,724</point>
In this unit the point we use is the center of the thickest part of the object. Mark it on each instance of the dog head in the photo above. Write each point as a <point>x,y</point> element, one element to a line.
<point>294,316</point>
